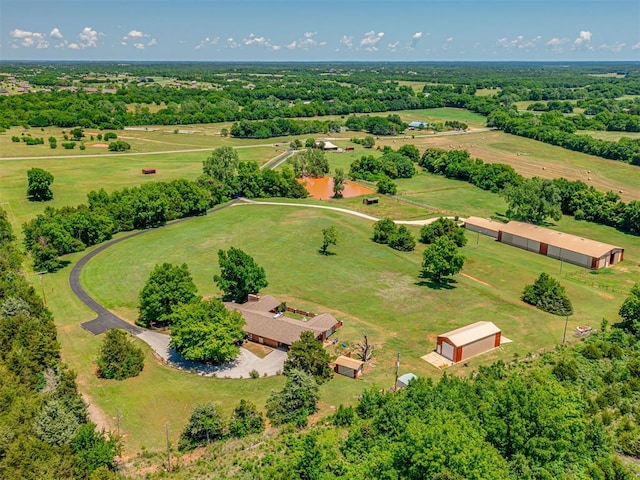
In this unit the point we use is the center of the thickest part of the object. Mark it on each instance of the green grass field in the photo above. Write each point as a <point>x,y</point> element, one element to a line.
<point>371,287</point>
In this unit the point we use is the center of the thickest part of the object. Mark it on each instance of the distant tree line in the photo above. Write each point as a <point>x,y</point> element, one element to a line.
<point>66,230</point>
<point>571,197</point>
<point>556,129</point>
<point>281,127</point>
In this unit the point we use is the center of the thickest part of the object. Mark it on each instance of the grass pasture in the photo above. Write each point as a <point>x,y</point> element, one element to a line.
<point>532,158</point>
<point>371,287</point>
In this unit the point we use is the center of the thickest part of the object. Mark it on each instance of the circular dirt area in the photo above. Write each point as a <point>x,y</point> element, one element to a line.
<point>323,188</point>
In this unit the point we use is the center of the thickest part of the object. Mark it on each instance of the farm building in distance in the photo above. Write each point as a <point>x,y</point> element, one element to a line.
<point>349,367</point>
<point>465,342</point>
<point>265,325</point>
<point>561,246</point>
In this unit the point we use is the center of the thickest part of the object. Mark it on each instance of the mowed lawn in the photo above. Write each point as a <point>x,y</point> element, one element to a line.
<point>370,287</point>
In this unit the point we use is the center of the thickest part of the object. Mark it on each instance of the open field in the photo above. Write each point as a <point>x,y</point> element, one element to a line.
<point>532,158</point>
<point>610,136</point>
<point>371,287</point>
<point>75,177</point>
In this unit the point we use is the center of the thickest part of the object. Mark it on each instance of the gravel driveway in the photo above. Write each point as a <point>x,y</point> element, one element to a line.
<point>240,367</point>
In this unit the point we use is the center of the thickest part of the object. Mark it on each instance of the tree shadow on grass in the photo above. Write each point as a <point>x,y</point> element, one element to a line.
<point>442,284</point>
<point>326,254</point>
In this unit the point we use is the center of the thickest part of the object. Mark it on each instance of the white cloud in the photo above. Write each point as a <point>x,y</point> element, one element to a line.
<point>207,41</point>
<point>253,39</point>
<point>307,41</point>
<point>415,38</point>
<point>28,39</point>
<point>370,40</point>
<point>447,43</point>
<point>556,45</point>
<point>134,34</point>
<point>392,46</point>
<point>519,42</point>
<point>152,43</point>
<point>231,43</point>
<point>636,46</point>
<point>55,33</point>
<point>88,39</point>
<point>139,46</point>
<point>583,41</point>
<point>615,48</point>
<point>347,42</point>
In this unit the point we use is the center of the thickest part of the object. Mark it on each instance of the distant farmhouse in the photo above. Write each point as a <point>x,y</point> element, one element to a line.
<point>416,124</point>
<point>561,246</point>
<point>266,326</point>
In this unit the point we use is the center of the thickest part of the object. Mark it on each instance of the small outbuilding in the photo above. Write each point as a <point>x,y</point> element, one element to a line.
<point>403,380</point>
<point>465,342</point>
<point>148,171</point>
<point>349,367</point>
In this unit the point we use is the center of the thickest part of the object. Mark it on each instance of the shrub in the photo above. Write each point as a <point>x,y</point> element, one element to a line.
<point>119,358</point>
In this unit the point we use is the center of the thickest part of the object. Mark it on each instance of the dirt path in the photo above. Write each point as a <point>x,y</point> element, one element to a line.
<point>426,221</point>
<point>474,279</point>
<point>96,414</point>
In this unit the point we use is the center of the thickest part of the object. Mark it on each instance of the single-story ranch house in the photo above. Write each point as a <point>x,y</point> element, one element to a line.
<point>465,342</point>
<point>561,246</point>
<point>265,325</point>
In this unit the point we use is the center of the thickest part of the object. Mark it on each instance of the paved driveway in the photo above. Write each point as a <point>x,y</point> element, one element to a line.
<point>240,367</point>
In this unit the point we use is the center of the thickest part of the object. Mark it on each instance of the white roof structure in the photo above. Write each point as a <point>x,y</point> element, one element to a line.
<point>406,378</point>
<point>349,362</point>
<point>470,333</point>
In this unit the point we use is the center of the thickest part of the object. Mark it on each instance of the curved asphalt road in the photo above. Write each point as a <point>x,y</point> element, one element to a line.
<point>106,319</point>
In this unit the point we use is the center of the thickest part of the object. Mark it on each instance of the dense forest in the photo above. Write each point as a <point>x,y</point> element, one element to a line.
<point>44,429</point>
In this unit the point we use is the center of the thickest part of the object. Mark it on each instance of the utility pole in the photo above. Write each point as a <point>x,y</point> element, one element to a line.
<point>395,385</point>
<point>119,416</point>
<point>564,336</point>
<point>166,431</point>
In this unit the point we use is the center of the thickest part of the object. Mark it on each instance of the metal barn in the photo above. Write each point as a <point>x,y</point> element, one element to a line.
<point>465,342</point>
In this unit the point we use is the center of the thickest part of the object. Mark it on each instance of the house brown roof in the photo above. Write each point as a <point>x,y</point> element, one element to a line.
<point>349,362</point>
<point>470,333</point>
<point>263,323</point>
<point>566,241</point>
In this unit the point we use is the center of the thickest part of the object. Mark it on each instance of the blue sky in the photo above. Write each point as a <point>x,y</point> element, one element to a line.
<point>320,30</point>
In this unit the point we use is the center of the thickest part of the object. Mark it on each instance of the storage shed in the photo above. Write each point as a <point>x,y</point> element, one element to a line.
<point>403,380</point>
<point>349,367</point>
<point>465,342</point>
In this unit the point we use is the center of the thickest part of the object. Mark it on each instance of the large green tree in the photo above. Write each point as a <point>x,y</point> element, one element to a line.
<point>311,162</point>
<point>222,164</point>
<point>38,184</point>
<point>402,240</point>
<point>309,355</point>
<point>383,230</point>
<point>206,331</point>
<point>239,275</point>
<point>441,259</point>
<point>339,179</point>
<point>205,425</point>
<point>548,295</point>
<point>119,358</point>
<point>167,287</point>
<point>630,311</point>
<point>533,200</point>
<point>443,226</point>
<point>296,401</point>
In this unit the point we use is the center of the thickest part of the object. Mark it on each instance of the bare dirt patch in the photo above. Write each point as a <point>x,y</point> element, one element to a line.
<point>96,414</point>
<point>99,145</point>
<point>474,279</point>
